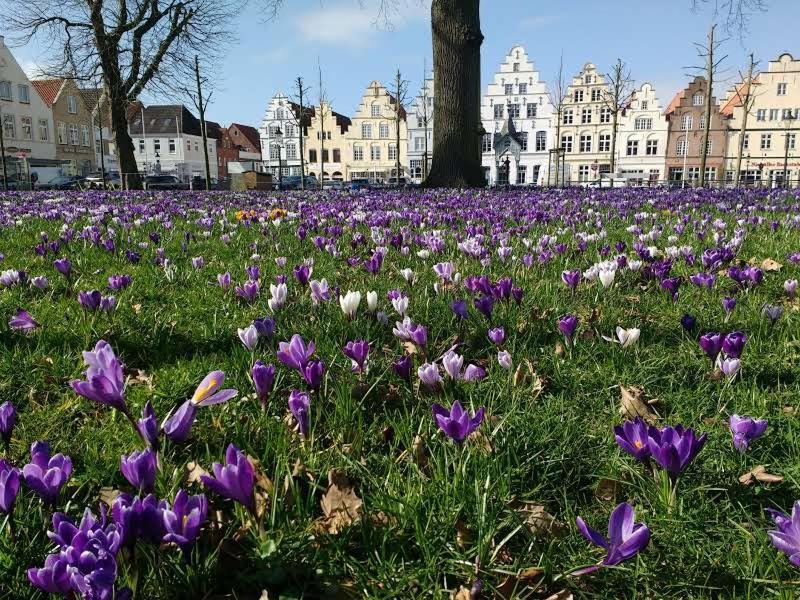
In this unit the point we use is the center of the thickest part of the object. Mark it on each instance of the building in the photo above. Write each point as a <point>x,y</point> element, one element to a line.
<point>105,149</point>
<point>237,143</point>
<point>168,139</point>
<point>642,139</point>
<point>420,134</point>
<point>26,122</point>
<point>686,118</point>
<point>516,107</point>
<point>586,127</point>
<point>280,132</point>
<point>372,147</point>
<point>74,137</point>
<point>773,126</point>
<point>325,145</point>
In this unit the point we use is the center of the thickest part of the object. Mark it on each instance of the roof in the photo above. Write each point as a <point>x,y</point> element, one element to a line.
<point>91,97</point>
<point>165,120</point>
<point>735,99</point>
<point>308,113</point>
<point>250,133</point>
<point>675,102</point>
<point>48,89</point>
<point>213,130</point>
<point>342,122</point>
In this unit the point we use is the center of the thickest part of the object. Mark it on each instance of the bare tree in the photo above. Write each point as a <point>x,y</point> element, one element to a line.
<point>323,103</point>
<point>300,119</point>
<point>3,150</point>
<point>616,98</point>
<point>201,103</point>
<point>400,94</point>
<point>557,95</point>
<point>425,116</point>
<point>134,44</point>
<point>746,95</point>
<point>735,14</point>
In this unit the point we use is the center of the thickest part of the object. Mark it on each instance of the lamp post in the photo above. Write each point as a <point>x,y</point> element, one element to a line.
<point>788,118</point>
<point>761,174</point>
<point>278,137</point>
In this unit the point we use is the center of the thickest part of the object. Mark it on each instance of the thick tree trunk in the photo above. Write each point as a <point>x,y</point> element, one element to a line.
<point>457,40</point>
<point>710,67</point>
<point>129,171</point>
<point>614,127</point>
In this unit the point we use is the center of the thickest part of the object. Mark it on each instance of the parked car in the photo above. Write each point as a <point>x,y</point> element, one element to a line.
<point>292,182</point>
<point>62,182</point>
<point>359,184</point>
<point>164,182</point>
<point>15,182</point>
<point>95,180</point>
<point>333,185</point>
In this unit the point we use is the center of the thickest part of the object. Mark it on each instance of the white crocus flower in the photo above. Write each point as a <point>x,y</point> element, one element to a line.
<point>372,302</point>
<point>628,337</point>
<point>606,277</point>
<point>349,303</point>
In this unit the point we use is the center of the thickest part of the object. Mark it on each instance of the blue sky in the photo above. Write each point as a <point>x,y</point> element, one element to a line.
<point>654,38</point>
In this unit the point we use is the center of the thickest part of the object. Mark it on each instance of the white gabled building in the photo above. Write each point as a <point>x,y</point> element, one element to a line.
<point>516,107</point>
<point>420,127</point>
<point>642,139</point>
<point>283,151</point>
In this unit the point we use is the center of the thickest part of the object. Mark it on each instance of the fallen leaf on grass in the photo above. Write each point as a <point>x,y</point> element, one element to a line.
<point>137,308</point>
<point>480,441</point>
<point>539,521</point>
<point>525,374</point>
<point>192,472</point>
<point>562,595</point>
<point>759,474</point>
<point>464,534</point>
<point>770,265</point>
<point>108,495</point>
<point>514,584</point>
<point>632,404</point>
<point>606,489</point>
<point>264,487</point>
<point>410,347</point>
<point>559,349</point>
<point>340,504</point>
<point>420,453</point>
<point>463,593</point>
<point>140,377</point>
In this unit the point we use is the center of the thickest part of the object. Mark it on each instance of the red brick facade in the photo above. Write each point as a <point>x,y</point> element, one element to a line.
<point>236,139</point>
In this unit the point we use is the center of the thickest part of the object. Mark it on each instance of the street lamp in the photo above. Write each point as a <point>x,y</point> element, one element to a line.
<point>278,137</point>
<point>788,118</point>
<point>761,173</point>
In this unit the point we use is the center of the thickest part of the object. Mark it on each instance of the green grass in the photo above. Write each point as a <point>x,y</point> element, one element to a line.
<point>550,449</point>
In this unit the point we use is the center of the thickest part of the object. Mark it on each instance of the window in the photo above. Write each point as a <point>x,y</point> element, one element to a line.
<point>9,127</point>
<point>605,115</point>
<point>197,146</point>
<point>24,94</point>
<point>643,123</point>
<point>325,155</point>
<point>188,145</point>
<point>498,111</point>
<point>567,120</point>
<point>532,108</point>
<point>633,148</point>
<point>587,79</point>
<point>358,152</point>
<point>566,143</point>
<point>513,111</point>
<point>541,141</point>
<point>392,152</point>
<point>583,173</point>
<point>375,110</point>
<point>686,122</point>
<point>698,99</point>
<point>5,90</point>
<point>289,130</point>
<point>643,104</point>
<point>27,128</point>
<point>172,146</point>
<point>680,150</point>
<point>791,140</point>
<point>273,130</point>
<point>711,173</point>
<point>275,152</point>
<point>375,152</point>
<point>420,121</point>
<point>62,133</point>
<point>577,96</point>
<point>157,145</point>
<point>383,130</point>
<point>523,88</point>
<point>766,141</point>
<point>596,95</point>
<point>337,155</point>
<point>516,67</point>
<point>366,131</point>
<point>44,130</point>
<point>787,114</point>
<point>419,144</point>
<point>651,148</point>
<point>85,135</point>
<point>509,89</point>
<point>781,89</point>
<point>486,143</point>
<point>523,138</point>
<point>586,115</point>
<point>312,156</point>
<point>73,135</point>
<point>279,114</point>
<point>702,122</point>
<point>773,114</point>
<point>676,174</point>
<point>141,145</point>
<point>72,105</point>
<point>291,151</point>
<point>604,142</point>
<point>761,114</point>
<point>585,143</point>
<point>746,144</point>
<point>522,171</point>
<point>709,147</point>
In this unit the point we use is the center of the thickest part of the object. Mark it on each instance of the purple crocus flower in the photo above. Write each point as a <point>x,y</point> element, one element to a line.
<point>224,280</point>
<point>485,305</point>
<point>632,437</point>
<point>672,285</point>
<point>313,373</point>
<point>357,351</point>
<point>674,448</point>
<point>45,475</point>
<point>402,367</point>
<point>701,280</point>
<point>119,282</point>
<point>302,274</point>
<point>429,375</point>
<point>459,308</point>
<point>179,423</point>
<point>497,335</point>
<point>626,538</point>
<point>474,373</point>
<point>148,425</point>
<point>139,468</point>
<point>567,325</point>
<point>263,379</point>
<point>108,304</point>
<point>90,300</point>
<point>235,479</point>
<point>418,334</point>
<point>504,359</point>
<point>571,279</point>
<point>105,382</point>
<point>728,304</point>
<point>53,577</point>
<point>452,364</point>
<point>249,337</point>
<point>773,313</point>
<point>248,291</point>
<point>8,418</point>
<point>711,343</point>
<point>295,354</point>
<point>457,423</point>
<point>745,430</point>
<point>733,344</point>
<point>320,291</point>
<point>265,327</point>
<point>688,322</point>
<point>183,521</point>
<point>9,487</point>
<point>22,321</point>
<point>253,272</point>
<point>63,266</point>
<point>786,538</point>
<point>299,405</point>
<point>139,518</point>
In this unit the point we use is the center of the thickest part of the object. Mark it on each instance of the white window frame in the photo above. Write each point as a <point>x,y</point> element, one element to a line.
<point>72,105</point>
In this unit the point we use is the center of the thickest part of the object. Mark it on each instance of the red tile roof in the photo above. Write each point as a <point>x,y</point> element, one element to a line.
<point>48,89</point>
<point>735,99</point>
<point>251,133</point>
<point>675,103</point>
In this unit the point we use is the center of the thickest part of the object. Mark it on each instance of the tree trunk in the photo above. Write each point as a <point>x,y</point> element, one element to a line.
<point>614,127</point>
<point>709,90</point>
<point>745,112</point>
<point>457,39</point>
<point>129,171</point>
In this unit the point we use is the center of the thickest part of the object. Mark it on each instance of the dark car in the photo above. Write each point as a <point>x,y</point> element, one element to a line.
<point>292,182</point>
<point>359,184</point>
<point>62,182</point>
<point>164,182</point>
<point>15,182</point>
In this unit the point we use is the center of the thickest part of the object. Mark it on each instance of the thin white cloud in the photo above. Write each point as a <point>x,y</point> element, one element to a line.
<point>538,21</point>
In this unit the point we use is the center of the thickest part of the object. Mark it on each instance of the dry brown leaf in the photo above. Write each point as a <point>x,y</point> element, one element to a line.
<point>606,489</point>
<point>525,374</point>
<point>632,404</point>
<point>264,487</point>
<point>340,504</point>
<point>140,377</point>
<point>420,453</point>
<point>464,534</point>
<point>108,495</point>
<point>410,347</point>
<point>770,265</point>
<point>192,472</point>
<point>562,595</point>
<point>789,410</point>
<point>480,441</point>
<point>759,474</point>
<point>463,593</point>
<point>137,308</point>
<point>559,349</point>
<point>514,584</point>
<point>539,521</point>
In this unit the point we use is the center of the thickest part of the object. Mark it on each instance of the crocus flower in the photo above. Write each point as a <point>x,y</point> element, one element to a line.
<point>349,304</point>
<point>711,343</point>
<point>357,352</point>
<point>632,437</point>
<point>63,266</point>
<point>418,334</point>
<point>235,479</point>
<point>606,277</point>
<point>302,274</point>
<point>452,364</point>
<point>674,448</point>
<point>786,538</point>
<point>504,359</point>
<point>790,287</point>
<point>9,487</point>
<point>628,337</point>
<point>402,367</point>
<point>8,418</point>
<point>22,321</point>
<point>263,380</point>
<point>53,577</point>
<point>248,291</point>
<point>444,271</point>
<point>179,423</point>
<point>119,282</point>
<point>733,344</point>
<point>372,302</point>
<point>139,468</point>
<point>295,354</point>
<point>571,279</point>
<point>148,425</point>
<point>473,373</point>
<point>249,337</point>
<point>626,538</point>
<point>497,335</point>
<point>278,294</point>
<point>688,322</point>
<point>485,305</point>
<point>459,308</point>
<point>90,300</point>
<point>745,430</point>
<point>182,522</point>
<point>40,283</point>
<point>108,304</point>
<point>429,375</point>
<point>730,367</point>
<point>319,291</point>
<point>773,313</point>
<point>104,383</point>
<point>45,475</point>
<point>313,373</point>
<point>567,326</point>
<point>728,304</point>
<point>299,405</point>
<point>224,280</point>
<point>265,327</point>
<point>457,423</point>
